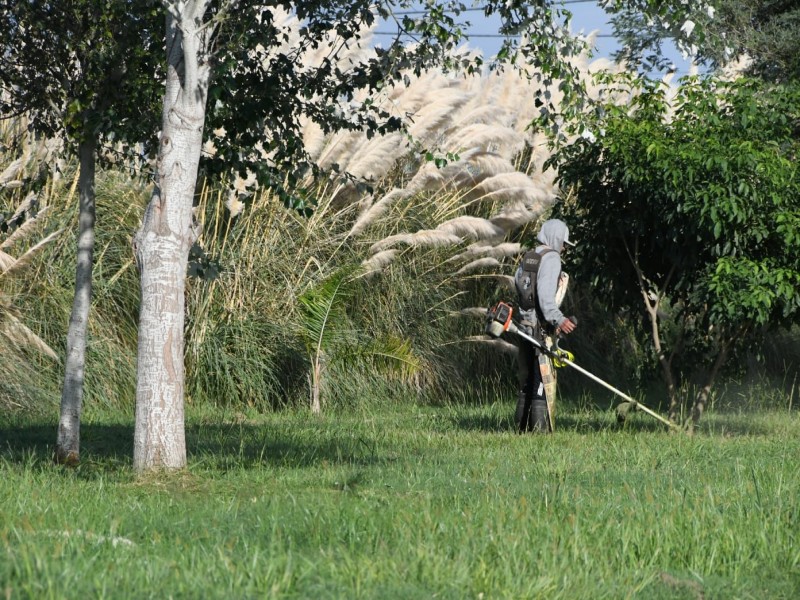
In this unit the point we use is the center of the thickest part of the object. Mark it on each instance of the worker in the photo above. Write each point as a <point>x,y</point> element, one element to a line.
<point>541,285</point>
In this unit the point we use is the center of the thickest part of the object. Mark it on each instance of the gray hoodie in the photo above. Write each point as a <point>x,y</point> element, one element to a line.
<point>553,234</point>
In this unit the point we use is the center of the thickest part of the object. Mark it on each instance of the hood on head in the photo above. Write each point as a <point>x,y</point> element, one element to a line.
<point>554,233</point>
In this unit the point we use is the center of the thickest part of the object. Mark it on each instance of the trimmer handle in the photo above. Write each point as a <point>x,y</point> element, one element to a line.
<point>560,337</point>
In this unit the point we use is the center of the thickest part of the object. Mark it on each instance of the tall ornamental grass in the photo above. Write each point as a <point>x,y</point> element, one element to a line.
<point>377,293</point>
<point>426,234</point>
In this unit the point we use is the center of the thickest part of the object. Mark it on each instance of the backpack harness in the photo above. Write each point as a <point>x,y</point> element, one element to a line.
<point>526,282</point>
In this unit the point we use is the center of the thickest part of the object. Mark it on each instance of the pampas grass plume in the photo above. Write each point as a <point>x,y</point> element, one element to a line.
<point>374,212</point>
<point>471,227</point>
<point>497,343</point>
<point>422,238</point>
<point>514,216</point>
<point>379,261</point>
<point>473,311</point>
<point>486,249</point>
<point>476,265</point>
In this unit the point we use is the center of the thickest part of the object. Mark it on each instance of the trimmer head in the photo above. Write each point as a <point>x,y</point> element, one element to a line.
<point>623,410</point>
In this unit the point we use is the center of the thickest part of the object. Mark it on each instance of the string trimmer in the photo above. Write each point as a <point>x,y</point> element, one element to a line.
<point>500,319</point>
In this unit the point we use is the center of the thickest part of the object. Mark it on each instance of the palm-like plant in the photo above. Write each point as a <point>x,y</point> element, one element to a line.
<point>326,326</point>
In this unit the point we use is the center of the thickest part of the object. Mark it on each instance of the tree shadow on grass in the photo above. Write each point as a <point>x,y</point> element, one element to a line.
<point>589,422</point>
<point>582,425</point>
<point>249,445</point>
<point>732,425</point>
<point>103,447</point>
<point>222,446</point>
<point>484,423</point>
<point>598,421</point>
<point>109,447</point>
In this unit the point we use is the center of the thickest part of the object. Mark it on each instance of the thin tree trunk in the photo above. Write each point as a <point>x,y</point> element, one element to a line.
<point>652,306</point>
<point>666,368</point>
<point>68,437</point>
<point>701,399</point>
<point>162,247</point>
<point>318,369</point>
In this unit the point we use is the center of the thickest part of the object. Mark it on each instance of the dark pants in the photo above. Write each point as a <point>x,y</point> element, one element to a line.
<point>531,412</point>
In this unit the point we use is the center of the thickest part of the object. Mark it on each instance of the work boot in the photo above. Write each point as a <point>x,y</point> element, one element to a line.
<point>539,421</point>
<point>522,417</point>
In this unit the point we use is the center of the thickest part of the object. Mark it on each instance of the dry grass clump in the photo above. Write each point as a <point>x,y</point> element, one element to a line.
<point>23,240</point>
<point>452,201</point>
<point>431,238</point>
<point>38,224</point>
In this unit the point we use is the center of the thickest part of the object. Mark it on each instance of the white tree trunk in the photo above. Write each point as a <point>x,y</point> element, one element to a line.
<point>162,246</point>
<point>69,425</point>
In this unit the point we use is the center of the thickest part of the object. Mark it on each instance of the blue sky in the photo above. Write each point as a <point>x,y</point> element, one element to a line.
<point>587,16</point>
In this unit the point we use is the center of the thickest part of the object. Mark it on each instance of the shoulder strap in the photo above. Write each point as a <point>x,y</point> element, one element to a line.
<point>526,282</point>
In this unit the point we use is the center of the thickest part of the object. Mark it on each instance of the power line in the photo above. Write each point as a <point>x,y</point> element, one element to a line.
<point>483,8</point>
<point>477,35</point>
<point>486,35</point>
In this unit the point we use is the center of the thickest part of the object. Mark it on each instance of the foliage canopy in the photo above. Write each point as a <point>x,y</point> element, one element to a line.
<point>76,69</point>
<point>766,31</point>
<point>695,200</point>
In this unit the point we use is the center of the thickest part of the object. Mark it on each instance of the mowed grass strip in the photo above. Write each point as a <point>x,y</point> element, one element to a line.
<point>403,501</point>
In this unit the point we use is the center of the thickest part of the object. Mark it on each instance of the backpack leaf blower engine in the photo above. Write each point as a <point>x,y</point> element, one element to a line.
<point>500,319</point>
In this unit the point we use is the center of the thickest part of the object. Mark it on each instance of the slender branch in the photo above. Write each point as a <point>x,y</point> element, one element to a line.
<point>652,310</point>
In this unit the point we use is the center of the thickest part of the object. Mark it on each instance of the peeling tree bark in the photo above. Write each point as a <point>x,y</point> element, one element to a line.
<point>162,246</point>
<point>68,437</point>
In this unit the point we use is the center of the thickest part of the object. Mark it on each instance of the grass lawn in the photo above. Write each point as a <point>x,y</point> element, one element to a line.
<point>403,501</point>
